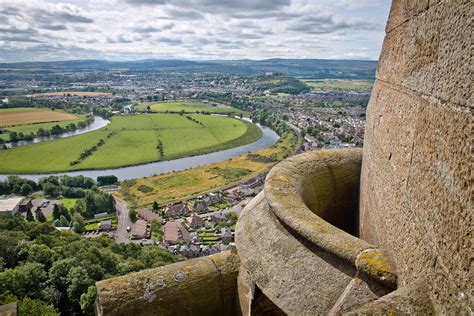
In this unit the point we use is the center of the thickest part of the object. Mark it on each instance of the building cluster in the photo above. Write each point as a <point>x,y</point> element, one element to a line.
<point>329,127</point>
<point>196,227</point>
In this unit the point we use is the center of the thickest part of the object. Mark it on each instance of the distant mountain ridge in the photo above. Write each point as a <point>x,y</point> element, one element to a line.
<point>308,68</point>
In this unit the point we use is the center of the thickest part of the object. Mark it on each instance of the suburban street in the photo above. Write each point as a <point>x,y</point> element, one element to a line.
<point>121,234</point>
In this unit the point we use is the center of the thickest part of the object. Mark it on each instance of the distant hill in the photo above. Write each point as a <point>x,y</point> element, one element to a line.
<point>307,68</point>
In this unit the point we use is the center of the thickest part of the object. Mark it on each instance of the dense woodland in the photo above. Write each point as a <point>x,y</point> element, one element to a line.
<point>49,272</point>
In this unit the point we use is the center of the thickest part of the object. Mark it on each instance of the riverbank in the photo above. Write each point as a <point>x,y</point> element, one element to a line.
<point>131,141</point>
<point>178,185</point>
<point>128,173</point>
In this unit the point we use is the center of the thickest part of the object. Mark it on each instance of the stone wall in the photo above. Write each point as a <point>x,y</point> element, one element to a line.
<point>416,182</point>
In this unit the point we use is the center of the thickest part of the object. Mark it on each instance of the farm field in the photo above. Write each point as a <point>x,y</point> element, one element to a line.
<point>33,128</point>
<point>22,116</point>
<point>130,140</point>
<point>178,185</point>
<point>187,107</point>
<point>75,93</point>
<point>340,84</point>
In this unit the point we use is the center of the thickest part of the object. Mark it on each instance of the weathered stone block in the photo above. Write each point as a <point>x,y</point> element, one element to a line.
<point>404,10</point>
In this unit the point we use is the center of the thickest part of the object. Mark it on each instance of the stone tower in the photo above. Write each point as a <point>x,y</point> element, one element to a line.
<point>386,229</point>
<point>416,182</point>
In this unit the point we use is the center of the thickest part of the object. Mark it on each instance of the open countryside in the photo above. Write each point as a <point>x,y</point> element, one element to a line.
<point>21,116</point>
<point>131,140</point>
<point>187,107</point>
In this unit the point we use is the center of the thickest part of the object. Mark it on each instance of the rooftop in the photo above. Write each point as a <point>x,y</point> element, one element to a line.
<point>8,204</point>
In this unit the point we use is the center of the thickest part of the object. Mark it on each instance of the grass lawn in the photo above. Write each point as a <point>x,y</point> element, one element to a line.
<point>340,84</point>
<point>130,140</point>
<point>187,107</point>
<point>93,224</point>
<point>69,203</point>
<point>184,183</point>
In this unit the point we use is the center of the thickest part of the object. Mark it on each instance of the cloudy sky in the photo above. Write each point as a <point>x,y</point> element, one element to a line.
<point>34,30</point>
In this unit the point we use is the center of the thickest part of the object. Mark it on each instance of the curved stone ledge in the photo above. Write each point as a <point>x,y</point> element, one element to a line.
<point>185,288</point>
<point>289,244</point>
<point>312,193</point>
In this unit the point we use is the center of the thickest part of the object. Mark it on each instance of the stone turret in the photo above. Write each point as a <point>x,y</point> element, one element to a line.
<point>386,229</point>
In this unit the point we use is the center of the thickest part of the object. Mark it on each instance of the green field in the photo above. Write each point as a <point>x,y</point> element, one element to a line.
<point>189,107</point>
<point>131,140</point>
<point>33,128</point>
<point>340,84</point>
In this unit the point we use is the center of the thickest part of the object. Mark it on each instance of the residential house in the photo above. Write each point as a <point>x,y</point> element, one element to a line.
<point>195,221</point>
<point>219,217</point>
<point>176,210</point>
<point>190,251</point>
<point>199,206</point>
<point>171,233</point>
<point>219,247</point>
<point>105,225</point>
<point>226,235</point>
<point>139,229</point>
<point>214,198</point>
<point>233,195</point>
<point>148,215</point>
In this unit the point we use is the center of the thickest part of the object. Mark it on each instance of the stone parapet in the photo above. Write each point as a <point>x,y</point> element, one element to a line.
<point>294,244</point>
<point>200,286</point>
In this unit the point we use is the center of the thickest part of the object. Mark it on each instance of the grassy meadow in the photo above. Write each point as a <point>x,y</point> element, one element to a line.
<point>181,184</point>
<point>189,107</point>
<point>130,140</point>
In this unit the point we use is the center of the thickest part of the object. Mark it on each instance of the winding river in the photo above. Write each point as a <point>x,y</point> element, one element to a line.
<point>155,168</point>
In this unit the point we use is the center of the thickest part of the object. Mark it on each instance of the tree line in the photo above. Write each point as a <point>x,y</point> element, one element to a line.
<point>55,130</point>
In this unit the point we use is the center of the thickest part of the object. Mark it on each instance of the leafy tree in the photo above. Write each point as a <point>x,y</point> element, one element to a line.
<point>88,299</point>
<point>24,280</point>
<point>79,283</point>
<point>31,307</point>
<point>9,241</point>
<point>107,180</point>
<point>26,189</point>
<point>63,222</point>
<point>40,216</point>
<point>51,189</point>
<point>28,306</point>
<point>90,205</point>
<point>78,223</point>
<point>155,206</point>
<point>56,212</point>
<point>133,215</point>
<point>40,254</point>
<point>29,216</point>
<point>13,136</point>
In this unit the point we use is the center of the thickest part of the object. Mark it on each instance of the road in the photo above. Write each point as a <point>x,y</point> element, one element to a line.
<point>121,234</point>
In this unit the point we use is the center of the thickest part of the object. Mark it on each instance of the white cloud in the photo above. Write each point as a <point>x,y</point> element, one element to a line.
<point>190,29</point>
